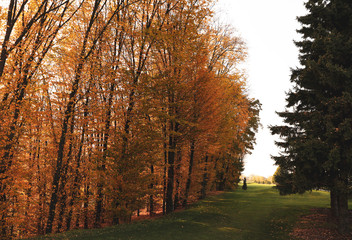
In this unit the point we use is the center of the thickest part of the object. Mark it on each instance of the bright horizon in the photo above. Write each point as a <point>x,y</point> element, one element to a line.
<point>269,28</point>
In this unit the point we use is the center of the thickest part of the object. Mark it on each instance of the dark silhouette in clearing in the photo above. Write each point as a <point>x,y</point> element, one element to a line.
<point>244,186</point>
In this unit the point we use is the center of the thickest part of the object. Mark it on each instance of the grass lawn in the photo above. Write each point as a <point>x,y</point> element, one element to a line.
<point>258,213</point>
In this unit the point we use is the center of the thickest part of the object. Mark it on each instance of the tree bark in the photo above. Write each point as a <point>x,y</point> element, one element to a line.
<point>343,217</point>
<point>151,197</point>
<point>203,191</point>
<point>334,204</point>
<point>171,167</point>
<point>170,175</point>
<point>165,169</point>
<point>190,169</point>
<point>85,205</point>
<point>178,176</point>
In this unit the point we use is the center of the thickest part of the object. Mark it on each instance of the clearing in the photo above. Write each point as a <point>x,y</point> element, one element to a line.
<point>258,213</point>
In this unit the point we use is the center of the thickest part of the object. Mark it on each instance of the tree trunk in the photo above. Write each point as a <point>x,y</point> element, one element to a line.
<point>75,189</point>
<point>171,168</point>
<point>334,204</point>
<point>165,171</point>
<point>151,197</point>
<point>178,176</point>
<point>63,191</point>
<point>339,203</point>
<point>190,168</point>
<point>203,191</point>
<point>343,213</point>
<point>170,175</point>
<point>221,184</point>
<point>85,206</point>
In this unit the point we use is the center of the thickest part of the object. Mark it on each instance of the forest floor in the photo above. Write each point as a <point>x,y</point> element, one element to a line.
<point>317,225</point>
<point>259,213</point>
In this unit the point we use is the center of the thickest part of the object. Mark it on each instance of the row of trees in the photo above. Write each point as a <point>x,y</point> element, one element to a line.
<point>111,106</point>
<point>317,135</point>
<point>260,179</point>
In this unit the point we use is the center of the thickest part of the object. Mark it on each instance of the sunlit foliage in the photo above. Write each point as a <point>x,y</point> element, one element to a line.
<point>110,108</point>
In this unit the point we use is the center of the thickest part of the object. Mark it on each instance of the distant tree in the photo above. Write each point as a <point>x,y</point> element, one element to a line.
<point>317,137</point>
<point>283,181</point>
<point>270,180</point>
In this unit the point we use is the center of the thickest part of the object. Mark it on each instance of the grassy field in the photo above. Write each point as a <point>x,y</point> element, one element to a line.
<point>258,213</point>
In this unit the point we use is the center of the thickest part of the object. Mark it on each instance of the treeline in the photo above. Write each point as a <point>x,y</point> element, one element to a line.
<point>111,106</point>
<point>260,179</point>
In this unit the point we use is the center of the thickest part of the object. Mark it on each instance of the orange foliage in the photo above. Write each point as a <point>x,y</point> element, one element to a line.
<point>109,108</point>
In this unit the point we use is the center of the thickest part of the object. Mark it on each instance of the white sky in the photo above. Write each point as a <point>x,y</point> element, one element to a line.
<point>4,3</point>
<point>269,28</point>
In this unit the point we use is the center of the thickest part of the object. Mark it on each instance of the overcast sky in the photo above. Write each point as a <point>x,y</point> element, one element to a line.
<point>269,28</point>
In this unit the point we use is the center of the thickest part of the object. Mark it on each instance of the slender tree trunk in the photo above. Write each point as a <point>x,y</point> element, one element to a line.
<point>75,190</point>
<point>171,175</point>
<point>42,199</point>
<point>63,190</point>
<point>86,205</point>
<point>151,198</point>
<point>62,208</point>
<point>178,176</point>
<point>171,167</point>
<point>165,171</point>
<point>78,215</point>
<point>190,169</point>
<point>203,191</point>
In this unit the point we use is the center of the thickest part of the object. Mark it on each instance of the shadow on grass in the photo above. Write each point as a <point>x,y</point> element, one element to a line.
<point>258,213</point>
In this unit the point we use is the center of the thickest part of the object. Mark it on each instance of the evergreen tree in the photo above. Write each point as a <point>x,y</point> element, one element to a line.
<point>317,137</point>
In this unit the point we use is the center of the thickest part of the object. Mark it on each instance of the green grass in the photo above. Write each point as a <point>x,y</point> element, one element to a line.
<point>258,213</point>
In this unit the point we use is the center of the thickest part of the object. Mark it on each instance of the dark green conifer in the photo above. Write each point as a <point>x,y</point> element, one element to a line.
<point>317,135</point>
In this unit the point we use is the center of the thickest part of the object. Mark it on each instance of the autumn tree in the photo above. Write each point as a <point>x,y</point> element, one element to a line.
<point>238,114</point>
<point>93,32</point>
<point>31,31</point>
<point>174,69</point>
<point>110,107</point>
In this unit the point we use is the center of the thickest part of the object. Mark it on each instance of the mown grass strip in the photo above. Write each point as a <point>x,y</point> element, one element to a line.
<point>258,213</point>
